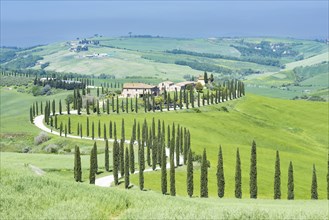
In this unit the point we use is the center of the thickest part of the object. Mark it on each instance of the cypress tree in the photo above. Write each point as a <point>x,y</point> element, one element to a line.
<point>238,191</point>
<point>53,107</point>
<point>41,108</point>
<point>31,116</point>
<point>37,108</point>
<point>291,194</point>
<point>107,106</point>
<point>33,109</point>
<point>314,188</point>
<point>115,162</point>
<point>92,130</point>
<point>105,132</point>
<point>60,107</point>
<point>253,172</point>
<point>177,149</point>
<point>111,132</point>
<point>97,107</point>
<point>126,168</point>
<point>56,121</point>
<point>87,127</point>
<point>112,103</point>
<point>198,99</point>
<point>121,158</point>
<point>136,104</point>
<point>92,172</point>
<point>141,166</point>
<point>107,155</point>
<point>87,107</point>
<point>61,129</point>
<point>189,179</point>
<point>99,128</point>
<point>117,109</point>
<point>277,177</point>
<point>163,171</point>
<point>77,165</point>
<point>131,156</point>
<point>123,138</point>
<point>65,130</point>
<point>154,153</point>
<point>78,129</point>
<point>220,175</point>
<point>204,176</point>
<point>69,125</point>
<point>172,177</point>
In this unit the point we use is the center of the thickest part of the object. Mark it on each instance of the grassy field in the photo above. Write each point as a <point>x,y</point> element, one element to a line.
<point>25,195</point>
<point>274,124</point>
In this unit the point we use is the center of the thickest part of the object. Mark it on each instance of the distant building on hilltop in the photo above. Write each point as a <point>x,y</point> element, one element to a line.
<point>131,90</point>
<point>166,85</point>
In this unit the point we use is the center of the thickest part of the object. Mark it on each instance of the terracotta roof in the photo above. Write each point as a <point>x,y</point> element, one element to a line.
<point>137,86</point>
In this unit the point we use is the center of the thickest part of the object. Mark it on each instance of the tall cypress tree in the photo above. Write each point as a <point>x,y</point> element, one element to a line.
<point>122,162</point>
<point>253,172</point>
<point>110,130</point>
<point>177,147</point>
<point>31,116</point>
<point>141,165</point>
<point>163,171</point>
<point>60,107</point>
<point>131,156</point>
<point>115,162</point>
<point>92,173</point>
<point>104,132</point>
<point>154,153</point>
<point>95,160</point>
<point>77,165</point>
<point>189,178</point>
<point>277,177</point>
<point>80,130</point>
<point>99,128</point>
<point>92,130</point>
<point>107,155</point>
<point>220,175</point>
<point>172,177</point>
<point>314,188</point>
<point>204,176</point>
<point>126,168</point>
<point>87,130</point>
<point>238,191</point>
<point>291,194</point>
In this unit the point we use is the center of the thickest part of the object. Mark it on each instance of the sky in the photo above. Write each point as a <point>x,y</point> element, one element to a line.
<point>28,23</point>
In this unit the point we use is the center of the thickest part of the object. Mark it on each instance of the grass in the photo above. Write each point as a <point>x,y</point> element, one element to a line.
<point>25,195</point>
<point>298,129</point>
<point>309,61</point>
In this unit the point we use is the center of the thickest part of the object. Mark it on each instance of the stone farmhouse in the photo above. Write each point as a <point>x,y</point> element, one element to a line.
<point>132,90</point>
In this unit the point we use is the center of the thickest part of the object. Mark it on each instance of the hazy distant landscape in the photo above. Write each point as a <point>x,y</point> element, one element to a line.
<point>134,118</point>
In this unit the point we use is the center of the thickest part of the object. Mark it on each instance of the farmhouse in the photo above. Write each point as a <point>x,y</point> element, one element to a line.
<point>166,85</point>
<point>138,89</point>
<point>183,85</point>
<point>201,80</point>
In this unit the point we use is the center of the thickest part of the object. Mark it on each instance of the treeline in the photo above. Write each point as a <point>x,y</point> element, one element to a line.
<point>81,100</point>
<point>124,165</point>
<point>23,62</point>
<point>252,59</point>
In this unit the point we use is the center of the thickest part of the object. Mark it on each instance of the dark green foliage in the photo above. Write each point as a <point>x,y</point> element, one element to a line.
<point>172,177</point>
<point>107,155</point>
<point>154,153</point>
<point>87,127</point>
<point>117,109</point>
<point>141,165</point>
<point>253,172</point>
<point>115,158</point>
<point>110,130</point>
<point>78,129</point>
<point>60,107</point>
<point>99,128</point>
<point>314,188</point>
<point>61,129</point>
<point>92,131</point>
<point>291,194</point>
<point>121,157</point>
<point>277,177</point>
<point>220,175</point>
<point>77,165</point>
<point>189,178</point>
<point>81,130</point>
<point>69,125</point>
<point>56,122</point>
<point>65,130</point>
<point>92,169</point>
<point>204,176</point>
<point>108,106</point>
<point>177,147</point>
<point>205,77</point>
<point>96,160</point>
<point>163,171</point>
<point>238,191</point>
<point>104,132</point>
<point>123,130</point>
<point>126,168</point>
<point>131,156</point>
<point>31,115</point>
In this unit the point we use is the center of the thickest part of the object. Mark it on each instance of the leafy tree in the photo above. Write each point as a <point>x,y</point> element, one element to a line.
<point>220,175</point>
<point>204,176</point>
<point>77,165</point>
<point>189,179</point>
<point>277,177</point>
<point>199,87</point>
<point>126,168</point>
<point>238,191</point>
<point>253,172</point>
<point>163,171</point>
<point>107,155</point>
<point>291,194</point>
<point>314,189</point>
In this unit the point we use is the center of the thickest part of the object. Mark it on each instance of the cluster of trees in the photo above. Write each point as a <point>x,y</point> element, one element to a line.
<point>23,62</point>
<point>150,138</point>
<point>253,59</point>
<point>123,161</point>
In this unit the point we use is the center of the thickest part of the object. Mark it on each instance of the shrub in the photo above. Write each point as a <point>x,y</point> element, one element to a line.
<point>52,148</point>
<point>41,138</point>
<point>26,149</point>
